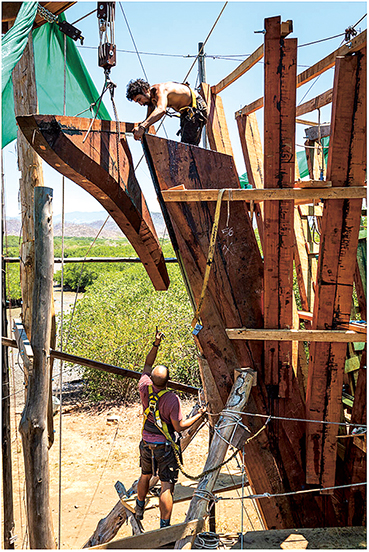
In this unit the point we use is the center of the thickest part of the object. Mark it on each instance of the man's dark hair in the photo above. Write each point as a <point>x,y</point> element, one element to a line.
<point>135,87</point>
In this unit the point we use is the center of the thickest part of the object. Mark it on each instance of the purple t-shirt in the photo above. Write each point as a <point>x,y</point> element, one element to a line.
<point>169,407</point>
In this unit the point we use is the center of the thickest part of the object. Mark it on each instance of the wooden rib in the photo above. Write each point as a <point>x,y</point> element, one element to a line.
<point>104,168</point>
<point>358,43</point>
<point>325,336</point>
<point>239,71</point>
<point>216,127</point>
<point>339,239</point>
<point>315,103</point>
<point>253,156</point>
<point>298,194</point>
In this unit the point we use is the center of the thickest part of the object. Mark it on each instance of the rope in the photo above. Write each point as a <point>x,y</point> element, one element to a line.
<point>133,40</point>
<point>210,470</point>
<point>99,481</point>
<point>210,257</point>
<point>203,46</point>
<point>206,540</point>
<point>62,319</point>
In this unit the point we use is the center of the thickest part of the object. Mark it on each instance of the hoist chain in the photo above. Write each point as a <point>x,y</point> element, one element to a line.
<point>46,14</point>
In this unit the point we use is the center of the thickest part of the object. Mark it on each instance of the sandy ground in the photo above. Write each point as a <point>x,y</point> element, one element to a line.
<point>95,454</point>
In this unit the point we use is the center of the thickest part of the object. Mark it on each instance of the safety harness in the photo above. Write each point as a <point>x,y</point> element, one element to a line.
<point>166,429</point>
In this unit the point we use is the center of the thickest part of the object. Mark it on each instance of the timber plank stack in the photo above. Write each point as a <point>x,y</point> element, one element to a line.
<point>250,289</point>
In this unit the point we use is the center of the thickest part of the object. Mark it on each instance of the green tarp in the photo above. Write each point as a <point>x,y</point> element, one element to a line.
<point>48,45</point>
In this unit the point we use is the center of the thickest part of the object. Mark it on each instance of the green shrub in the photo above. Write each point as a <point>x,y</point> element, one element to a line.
<point>115,323</point>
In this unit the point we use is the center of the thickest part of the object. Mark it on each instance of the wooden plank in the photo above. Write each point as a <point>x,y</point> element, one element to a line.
<point>253,156</point>
<point>336,265</point>
<point>325,336</point>
<point>315,103</point>
<point>234,194</point>
<point>358,43</point>
<point>216,127</point>
<point>229,300</point>
<point>306,538</point>
<point>157,538</point>
<point>239,71</point>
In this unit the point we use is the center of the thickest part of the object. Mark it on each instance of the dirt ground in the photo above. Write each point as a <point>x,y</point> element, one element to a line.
<point>96,453</point>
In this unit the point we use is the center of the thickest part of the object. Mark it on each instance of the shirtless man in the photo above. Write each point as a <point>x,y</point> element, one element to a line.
<point>159,97</point>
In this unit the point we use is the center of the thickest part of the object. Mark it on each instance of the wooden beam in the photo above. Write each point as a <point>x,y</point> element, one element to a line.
<point>338,248</point>
<point>280,58</point>
<point>237,194</point>
<point>325,336</point>
<point>358,43</point>
<point>218,448</point>
<point>253,156</point>
<point>216,127</point>
<point>156,539</point>
<point>33,424</point>
<point>315,103</point>
<point>239,71</point>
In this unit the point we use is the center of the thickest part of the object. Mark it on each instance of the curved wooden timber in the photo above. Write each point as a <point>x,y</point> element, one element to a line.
<point>102,165</point>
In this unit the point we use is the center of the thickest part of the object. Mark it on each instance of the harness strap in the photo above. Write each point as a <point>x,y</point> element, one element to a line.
<point>193,104</point>
<point>153,409</point>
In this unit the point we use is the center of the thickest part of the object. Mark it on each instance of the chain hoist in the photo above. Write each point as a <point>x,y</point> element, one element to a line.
<point>107,47</point>
<point>65,27</point>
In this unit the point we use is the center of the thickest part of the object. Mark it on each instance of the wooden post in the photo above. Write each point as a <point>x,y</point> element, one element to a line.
<point>33,425</point>
<point>279,171</point>
<point>336,266</point>
<point>225,427</point>
<point>29,163</point>
<point>8,509</point>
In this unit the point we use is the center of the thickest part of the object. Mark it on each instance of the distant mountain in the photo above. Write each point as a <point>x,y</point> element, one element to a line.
<point>79,224</point>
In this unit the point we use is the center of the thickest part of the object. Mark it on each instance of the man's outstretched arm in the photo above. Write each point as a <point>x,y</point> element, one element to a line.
<point>150,359</point>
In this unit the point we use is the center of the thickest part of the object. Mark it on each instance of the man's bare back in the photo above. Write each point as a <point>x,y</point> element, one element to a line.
<point>159,97</point>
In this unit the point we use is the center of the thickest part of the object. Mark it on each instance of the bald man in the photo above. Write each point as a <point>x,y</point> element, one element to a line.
<point>156,453</point>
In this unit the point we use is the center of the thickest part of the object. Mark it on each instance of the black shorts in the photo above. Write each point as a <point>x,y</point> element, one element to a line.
<point>163,458</point>
<point>193,121</point>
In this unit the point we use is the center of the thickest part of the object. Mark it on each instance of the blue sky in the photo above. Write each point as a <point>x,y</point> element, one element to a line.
<point>167,33</point>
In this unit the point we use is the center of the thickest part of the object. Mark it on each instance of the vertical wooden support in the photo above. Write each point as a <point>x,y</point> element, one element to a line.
<point>253,155</point>
<point>279,171</point>
<point>6,443</point>
<point>223,431</point>
<point>33,425</point>
<point>355,458</point>
<point>360,276</point>
<point>301,259</point>
<point>216,127</point>
<point>29,163</point>
<point>336,265</point>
